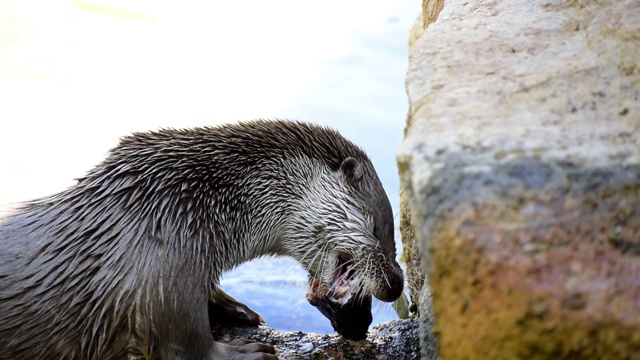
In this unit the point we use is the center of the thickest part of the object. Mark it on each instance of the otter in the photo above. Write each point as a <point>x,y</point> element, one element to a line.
<point>126,262</point>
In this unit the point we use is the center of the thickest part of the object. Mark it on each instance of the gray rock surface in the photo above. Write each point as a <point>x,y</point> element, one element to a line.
<point>521,166</point>
<point>397,339</point>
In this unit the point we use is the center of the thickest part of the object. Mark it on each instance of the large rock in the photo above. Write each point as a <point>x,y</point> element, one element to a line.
<point>521,166</point>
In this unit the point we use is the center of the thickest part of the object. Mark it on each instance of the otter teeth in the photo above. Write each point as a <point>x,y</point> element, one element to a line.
<point>343,281</point>
<point>342,294</point>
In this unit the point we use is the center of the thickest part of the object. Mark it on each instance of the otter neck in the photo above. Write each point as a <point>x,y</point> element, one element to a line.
<point>245,215</point>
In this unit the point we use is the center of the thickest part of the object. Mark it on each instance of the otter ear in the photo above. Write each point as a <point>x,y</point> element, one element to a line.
<point>352,170</point>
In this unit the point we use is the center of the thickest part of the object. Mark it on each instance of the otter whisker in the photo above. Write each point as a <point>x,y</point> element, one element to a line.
<point>321,253</point>
<point>323,261</point>
<point>369,264</point>
<point>311,250</point>
<point>386,279</point>
<point>367,268</point>
<point>303,258</point>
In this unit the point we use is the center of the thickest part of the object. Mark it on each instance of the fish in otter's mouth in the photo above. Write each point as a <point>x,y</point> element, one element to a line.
<point>351,320</point>
<point>344,293</point>
<point>344,282</point>
<point>348,310</point>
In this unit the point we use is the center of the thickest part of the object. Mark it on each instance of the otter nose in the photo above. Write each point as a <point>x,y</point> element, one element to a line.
<point>392,289</point>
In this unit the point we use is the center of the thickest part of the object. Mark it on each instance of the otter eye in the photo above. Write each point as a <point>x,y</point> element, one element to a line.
<point>376,231</point>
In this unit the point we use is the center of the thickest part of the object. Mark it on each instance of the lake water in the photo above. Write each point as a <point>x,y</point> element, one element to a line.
<point>76,75</point>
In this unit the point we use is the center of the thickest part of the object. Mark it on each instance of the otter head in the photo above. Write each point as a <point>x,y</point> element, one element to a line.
<point>346,222</point>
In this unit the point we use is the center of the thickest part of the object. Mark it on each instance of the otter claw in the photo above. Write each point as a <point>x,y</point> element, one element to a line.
<point>225,310</point>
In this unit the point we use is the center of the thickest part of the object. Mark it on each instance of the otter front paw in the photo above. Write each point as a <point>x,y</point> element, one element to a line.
<point>225,310</point>
<point>243,349</point>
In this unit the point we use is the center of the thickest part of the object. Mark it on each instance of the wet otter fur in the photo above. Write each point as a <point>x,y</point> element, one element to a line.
<point>124,263</point>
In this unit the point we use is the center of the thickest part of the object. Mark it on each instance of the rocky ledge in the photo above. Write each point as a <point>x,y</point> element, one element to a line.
<point>396,339</point>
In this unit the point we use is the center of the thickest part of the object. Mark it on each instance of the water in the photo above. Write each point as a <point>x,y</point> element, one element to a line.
<point>76,75</point>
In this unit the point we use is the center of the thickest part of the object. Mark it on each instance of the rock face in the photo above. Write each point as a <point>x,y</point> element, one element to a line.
<point>521,166</point>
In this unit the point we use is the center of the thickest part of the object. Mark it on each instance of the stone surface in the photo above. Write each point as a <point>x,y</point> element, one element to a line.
<point>521,166</point>
<point>397,339</point>
<point>411,253</point>
<point>419,290</point>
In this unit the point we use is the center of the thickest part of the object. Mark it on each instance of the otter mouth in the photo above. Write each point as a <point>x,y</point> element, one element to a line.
<point>343,282</point>
<point>350,315</point>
